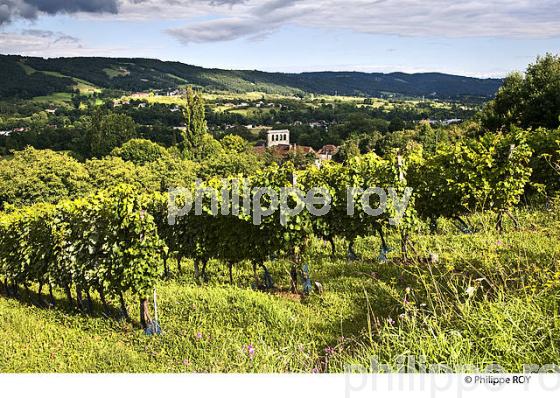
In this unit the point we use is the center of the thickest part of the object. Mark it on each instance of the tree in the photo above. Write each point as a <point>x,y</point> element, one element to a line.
<point>106,130</point>
<point>195,124</point>
<point>528,100</point>
<point>105,173</point>
<point>33,176</point>
<point>140,151</point>
<point>234,143</point>
<point>347,151</point>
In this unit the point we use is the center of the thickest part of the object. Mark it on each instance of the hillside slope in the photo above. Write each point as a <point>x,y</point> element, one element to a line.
<point>25,77</point>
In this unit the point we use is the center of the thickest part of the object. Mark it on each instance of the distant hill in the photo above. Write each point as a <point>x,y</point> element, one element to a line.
<point>28,77</point>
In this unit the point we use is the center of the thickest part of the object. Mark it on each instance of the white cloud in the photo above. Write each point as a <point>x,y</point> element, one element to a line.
<point>37,42</point>
<point>438,18</point>
<point>224,20</point>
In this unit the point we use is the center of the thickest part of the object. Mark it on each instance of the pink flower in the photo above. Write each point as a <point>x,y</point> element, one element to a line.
<point>329,351</point>
<point>251,351</point>
<point>199,335</point>
<point>315,370</point>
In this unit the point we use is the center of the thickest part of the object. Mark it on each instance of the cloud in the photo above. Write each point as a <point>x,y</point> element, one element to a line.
<point>437,18</point>
<point>175,9</point>
<point>38,42</point>
<point>31,9</point>
<point>54,37</point>
<point>224,20</point>
<point>221,30</point>
<point>253,23</point>
<point>46,43</point>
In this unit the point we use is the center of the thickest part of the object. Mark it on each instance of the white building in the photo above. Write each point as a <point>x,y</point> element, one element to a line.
<point>277,137</point>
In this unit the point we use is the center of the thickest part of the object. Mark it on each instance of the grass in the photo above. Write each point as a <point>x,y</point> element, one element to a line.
<point>116,72</point>
<point>489,299</point>
<point>28,69</point>
<point>54,99</point>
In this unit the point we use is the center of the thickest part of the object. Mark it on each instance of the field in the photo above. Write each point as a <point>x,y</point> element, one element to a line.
<point>463,299</point>
<point>217,101</point>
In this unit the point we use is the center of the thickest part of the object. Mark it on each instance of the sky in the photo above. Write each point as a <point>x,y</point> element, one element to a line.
<point>470,37</point>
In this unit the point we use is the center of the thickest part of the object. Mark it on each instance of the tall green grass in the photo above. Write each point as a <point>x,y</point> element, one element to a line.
<point>488,299</point>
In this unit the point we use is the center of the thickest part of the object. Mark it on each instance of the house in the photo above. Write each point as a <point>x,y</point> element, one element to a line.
<point>277,137</point>
<point>278,143</point>
<point>317,124</point>
<point>327,152</point>
<point>451,121</point>
<point>283,150</point>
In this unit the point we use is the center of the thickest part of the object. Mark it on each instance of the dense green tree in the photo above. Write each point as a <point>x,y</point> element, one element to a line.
<point>192,136</point>
<point>234,143</point>
<point>347,151</point>
<point>106,130</point>
<point>140,151</point>
<point>528,100</point>
<point>33,176</point>
<point>232,156</point>
<point>105,173</point>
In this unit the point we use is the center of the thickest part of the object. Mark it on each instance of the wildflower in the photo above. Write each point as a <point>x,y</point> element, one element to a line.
<point>390,321</point>
<point>499,242</point>
<point>329,351</point>
<point>251,351</point>
<point>315,370</point>
<point>186,362</point>
<point>199,335</point>
<point>470,291</point>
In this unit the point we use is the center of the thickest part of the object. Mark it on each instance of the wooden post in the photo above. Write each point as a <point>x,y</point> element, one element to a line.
<point>79,300</point>
<point>69,295</point>
<point>90,301</point>
<point>145,319</point>
<point>51,295</point>
<point>123,307</point>
<point>293,278</point>
<point>230,266</point>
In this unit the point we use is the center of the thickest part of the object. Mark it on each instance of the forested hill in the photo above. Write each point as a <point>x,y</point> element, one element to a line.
<point>27,77</point>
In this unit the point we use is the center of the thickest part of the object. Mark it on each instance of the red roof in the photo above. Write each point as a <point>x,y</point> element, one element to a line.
<point>283,149</point>
<point>328,150</point>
